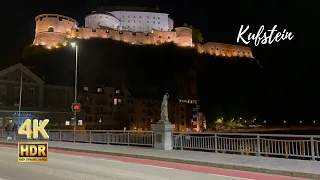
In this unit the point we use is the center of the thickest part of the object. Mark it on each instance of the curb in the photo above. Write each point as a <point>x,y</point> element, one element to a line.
<point>207,164</point>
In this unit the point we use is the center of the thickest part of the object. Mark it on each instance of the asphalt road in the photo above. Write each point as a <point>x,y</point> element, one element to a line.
<point>63,167</point>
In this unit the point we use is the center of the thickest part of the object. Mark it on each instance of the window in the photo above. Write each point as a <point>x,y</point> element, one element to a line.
<point>182,123</point>
<point>86,88</point>
<point>50,29</point>
<point>119,100</point>
<point>115,101</point>
<point>99,90</point>
<point>3,90</point>
<point>117,91</point>
<point>80,122</point>
<point>31,92</point>
<point>16,91</point>
<point>67,123</point>
<point>182,115</point>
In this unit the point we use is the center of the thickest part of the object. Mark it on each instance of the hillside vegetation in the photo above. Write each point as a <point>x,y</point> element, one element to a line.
<point>225,85</point>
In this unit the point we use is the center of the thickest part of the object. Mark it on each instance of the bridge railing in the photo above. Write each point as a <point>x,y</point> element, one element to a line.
<point>289,146</point>
<point>275,145</point>
<point>115,137</point>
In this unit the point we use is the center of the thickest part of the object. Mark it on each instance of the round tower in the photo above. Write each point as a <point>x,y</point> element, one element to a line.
<point>53,29</point>
<point>183,36</point>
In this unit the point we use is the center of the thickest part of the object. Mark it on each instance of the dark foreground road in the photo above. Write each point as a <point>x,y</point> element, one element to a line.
<point>65,165</point>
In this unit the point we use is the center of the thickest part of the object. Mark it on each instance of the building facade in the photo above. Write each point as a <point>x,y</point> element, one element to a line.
<point>134,19</point>
<point>101,108</point>
<point>38,99</point>
<point>142,112</point>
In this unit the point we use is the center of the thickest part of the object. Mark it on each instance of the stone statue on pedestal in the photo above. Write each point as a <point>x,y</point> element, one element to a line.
<point>163,130</point>
<point>164,109</point>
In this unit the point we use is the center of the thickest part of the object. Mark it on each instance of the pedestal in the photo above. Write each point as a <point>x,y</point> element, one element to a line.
<point>163,135</point>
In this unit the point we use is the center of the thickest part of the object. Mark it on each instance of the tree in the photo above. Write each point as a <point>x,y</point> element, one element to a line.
<point>196,34</point>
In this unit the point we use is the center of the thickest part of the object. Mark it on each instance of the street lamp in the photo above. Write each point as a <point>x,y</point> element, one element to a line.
<point>74,45</point>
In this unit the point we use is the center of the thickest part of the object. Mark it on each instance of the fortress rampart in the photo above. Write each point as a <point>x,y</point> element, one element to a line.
<point>54,29</point>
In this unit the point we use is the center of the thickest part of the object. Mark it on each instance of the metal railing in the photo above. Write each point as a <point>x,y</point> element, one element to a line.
<point>114,137</point>
<point>276,145</point>
<point>289,146</point>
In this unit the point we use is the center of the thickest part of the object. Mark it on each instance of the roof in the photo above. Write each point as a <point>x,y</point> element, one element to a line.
<point>102,12</point>
<point>20,67</point>
<point>127,8</point>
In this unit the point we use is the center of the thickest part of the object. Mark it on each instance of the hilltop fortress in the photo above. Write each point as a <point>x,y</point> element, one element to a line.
<point>129,24</point>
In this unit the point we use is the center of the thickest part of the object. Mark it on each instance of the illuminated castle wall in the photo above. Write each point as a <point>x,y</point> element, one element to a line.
<point>54,29</point>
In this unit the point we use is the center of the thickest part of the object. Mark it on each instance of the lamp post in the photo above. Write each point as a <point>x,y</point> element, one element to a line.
<point>20,93</point>
<point>74,45</point>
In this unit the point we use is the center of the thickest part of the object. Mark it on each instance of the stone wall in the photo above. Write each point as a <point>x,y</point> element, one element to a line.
<point>228,50</point>
<point>53,29</point>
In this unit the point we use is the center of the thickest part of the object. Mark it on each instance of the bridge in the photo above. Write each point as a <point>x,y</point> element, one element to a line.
<point>130,155</point>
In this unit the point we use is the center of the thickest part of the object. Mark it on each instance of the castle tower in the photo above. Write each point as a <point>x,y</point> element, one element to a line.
<point>53,29</point>
<point>183,36</point>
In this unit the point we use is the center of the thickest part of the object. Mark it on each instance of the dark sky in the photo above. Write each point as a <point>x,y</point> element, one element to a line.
<point>291,66</point>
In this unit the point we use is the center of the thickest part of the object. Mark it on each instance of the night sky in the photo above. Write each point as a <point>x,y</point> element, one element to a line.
<point>291,67</point>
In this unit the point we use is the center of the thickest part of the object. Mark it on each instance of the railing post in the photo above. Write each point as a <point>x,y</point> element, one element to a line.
<point>258,146</point>
<point>74,136</point>
<point>60,135</point>
<point>89,136</point>
<point>181,145</point>
<point>48,135</point>
<point>128,138</point>
<point>152,134</point>
<point>312,149</point>
<point>108,138</point>
<point>216,143</point>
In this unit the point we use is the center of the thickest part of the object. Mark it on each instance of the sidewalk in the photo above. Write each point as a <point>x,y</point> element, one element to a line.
<point>285,167</point>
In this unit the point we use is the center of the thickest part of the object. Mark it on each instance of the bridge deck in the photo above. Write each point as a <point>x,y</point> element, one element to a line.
<point>286,167</point>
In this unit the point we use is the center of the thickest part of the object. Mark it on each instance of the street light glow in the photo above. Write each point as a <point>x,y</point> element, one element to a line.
<point>73,44</point>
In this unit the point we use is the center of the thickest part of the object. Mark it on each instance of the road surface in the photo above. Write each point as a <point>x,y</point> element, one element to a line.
<point>65,165</point>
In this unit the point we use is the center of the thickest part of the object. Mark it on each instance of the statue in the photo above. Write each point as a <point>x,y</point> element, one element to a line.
<point>164,109</point>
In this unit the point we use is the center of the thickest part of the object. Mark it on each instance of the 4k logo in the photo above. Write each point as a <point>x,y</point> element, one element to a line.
<point>26,129</point>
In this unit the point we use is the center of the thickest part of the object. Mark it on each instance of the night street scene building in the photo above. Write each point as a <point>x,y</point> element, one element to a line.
<point>209,83</point>
<point>145,90</point>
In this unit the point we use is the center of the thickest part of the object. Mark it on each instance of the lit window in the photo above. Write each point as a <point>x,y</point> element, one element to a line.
<point>86,88</point>
<point>119,100</point>
<point>117,91</point>
<point>67,123</point>
<point>115,101</point>
<point>80,122</point>
<point>99,89</point>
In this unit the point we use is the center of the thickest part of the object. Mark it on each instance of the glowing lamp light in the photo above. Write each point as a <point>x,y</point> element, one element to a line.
<point>73,44</point>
